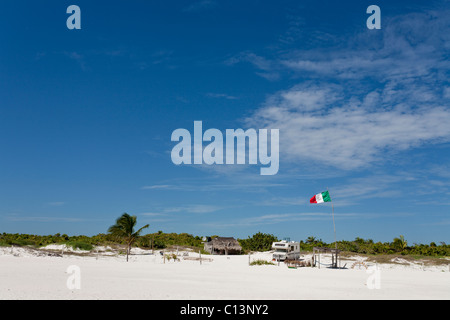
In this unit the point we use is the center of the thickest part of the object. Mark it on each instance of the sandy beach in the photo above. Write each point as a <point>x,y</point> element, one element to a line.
<point>38,274</point>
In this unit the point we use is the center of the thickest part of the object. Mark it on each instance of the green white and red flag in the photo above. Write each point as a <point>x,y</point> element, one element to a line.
<point>321,197</point>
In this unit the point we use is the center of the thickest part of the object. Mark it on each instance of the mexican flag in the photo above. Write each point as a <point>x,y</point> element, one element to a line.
<point>321,197</point>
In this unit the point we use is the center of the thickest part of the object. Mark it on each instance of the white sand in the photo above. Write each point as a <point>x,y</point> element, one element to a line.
<point>28,274</point>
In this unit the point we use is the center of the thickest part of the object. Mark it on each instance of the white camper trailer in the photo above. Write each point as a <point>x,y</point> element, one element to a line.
<point>289,250</point>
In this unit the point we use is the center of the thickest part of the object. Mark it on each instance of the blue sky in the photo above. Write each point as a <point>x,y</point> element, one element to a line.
<point>86,116</point>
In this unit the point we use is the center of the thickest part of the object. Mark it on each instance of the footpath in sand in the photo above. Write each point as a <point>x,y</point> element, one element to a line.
<point>45,274</point>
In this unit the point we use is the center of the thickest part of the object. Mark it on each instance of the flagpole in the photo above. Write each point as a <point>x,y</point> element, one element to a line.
<point>334,226</point>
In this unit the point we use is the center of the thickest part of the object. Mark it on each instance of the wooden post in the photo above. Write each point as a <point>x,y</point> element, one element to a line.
<point>200,254</point>
<point>315,258</point>
<point>335,260</point>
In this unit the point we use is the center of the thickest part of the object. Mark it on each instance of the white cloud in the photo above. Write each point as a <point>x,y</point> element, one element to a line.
<point>160,186</point>
<point>221,95</point>
<point>366,101</point>
<point>151,214</point>
<point>266,67</point>
<point>270,219</point>
<point>446,91</point>
<point>194,208</point>
<point>349,137</point>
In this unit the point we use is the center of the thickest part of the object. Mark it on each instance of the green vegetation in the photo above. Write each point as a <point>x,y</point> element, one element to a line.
<point>80,245</point>
<point>172,256</point>
<point>36,241</point>
<point>258,242</point>
<point>399,245</point>
<point>161,240</point>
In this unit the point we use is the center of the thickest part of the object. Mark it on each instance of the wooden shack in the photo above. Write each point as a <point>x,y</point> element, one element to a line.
<point>223,246</point>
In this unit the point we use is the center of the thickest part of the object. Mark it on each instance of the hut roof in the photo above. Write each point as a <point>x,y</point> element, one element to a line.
<point>225,242</point>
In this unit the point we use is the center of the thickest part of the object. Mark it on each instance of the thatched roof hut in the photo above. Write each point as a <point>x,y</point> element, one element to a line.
<point>223,245</point>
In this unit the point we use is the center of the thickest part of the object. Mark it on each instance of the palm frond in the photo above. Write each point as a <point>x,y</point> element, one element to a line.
<point>138,233</point>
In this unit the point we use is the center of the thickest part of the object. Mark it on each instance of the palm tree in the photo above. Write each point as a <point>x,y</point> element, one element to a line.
<point>311,240</point>
<point>400,243</point>
<point>124,228</point>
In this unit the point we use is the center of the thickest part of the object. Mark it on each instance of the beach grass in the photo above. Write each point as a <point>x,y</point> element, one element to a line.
<point>261,262</point>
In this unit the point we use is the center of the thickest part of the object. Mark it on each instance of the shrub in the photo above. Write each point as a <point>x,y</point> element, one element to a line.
<point>261,263</point>
<point>80,245</point>
<point>22,243</point>
<point>4,244</point>
<point>258,242</point>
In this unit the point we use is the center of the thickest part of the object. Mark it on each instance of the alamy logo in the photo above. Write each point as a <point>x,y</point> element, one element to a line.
<point>374,21</point>
<point>235,147</point>
<point>74,280</point>
<point>374,280</point>
<point>74,21</point>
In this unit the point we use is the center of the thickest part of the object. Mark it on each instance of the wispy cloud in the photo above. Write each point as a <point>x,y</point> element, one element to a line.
<point>221,178</point>
<point>270,219</point>
<point>190,208</point>
<point>200,6</point>
<point>79,58</point>
<point>281,201</point>
<point>159,186</point>
<point>365,102</point>
<point>196,208</point>
<point>221,95</point>
<point>151,214</point>
<point>265,68</point>
<point>56,204</point>
<point>154,217</point>
<point>445,222</point>
<point>44,218</point>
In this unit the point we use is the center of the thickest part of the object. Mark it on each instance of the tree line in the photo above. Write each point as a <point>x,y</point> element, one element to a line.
<point>123,233</point>
<point>399,245</point>
<point>257,242</point>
